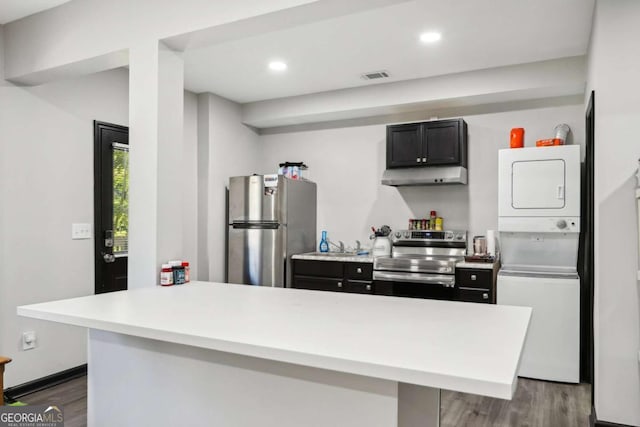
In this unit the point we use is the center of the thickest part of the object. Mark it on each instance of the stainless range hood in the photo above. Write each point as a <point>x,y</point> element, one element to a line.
<point>432,175</point>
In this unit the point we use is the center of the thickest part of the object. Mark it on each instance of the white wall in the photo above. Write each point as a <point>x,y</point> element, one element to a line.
<point>233,150</point>
<point>189,189</point>
<point>46,184</point>
<point>614,67</point>
<point>347,164</point>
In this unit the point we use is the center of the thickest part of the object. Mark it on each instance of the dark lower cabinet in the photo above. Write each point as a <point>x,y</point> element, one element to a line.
<point>318,283</point>
<point>475,295</point>
<point>358,286</point>
<point>336,276</point>
<point>476,284</point>
<point>414,290</point>
<point>472,284</point>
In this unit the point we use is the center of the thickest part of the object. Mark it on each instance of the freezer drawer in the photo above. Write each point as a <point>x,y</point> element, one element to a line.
<point>552,347</point>
<point>256,256</point>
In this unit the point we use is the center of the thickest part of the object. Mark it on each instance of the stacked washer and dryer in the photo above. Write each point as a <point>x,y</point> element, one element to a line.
<point>539,228</point>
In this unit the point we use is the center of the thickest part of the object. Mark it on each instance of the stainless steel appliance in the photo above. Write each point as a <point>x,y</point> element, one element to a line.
<point>270,218</point>
<point>421,265</point>
<point>479,245</point>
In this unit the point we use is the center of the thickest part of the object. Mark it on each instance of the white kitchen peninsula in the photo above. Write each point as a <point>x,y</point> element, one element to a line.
<point>239,356</point>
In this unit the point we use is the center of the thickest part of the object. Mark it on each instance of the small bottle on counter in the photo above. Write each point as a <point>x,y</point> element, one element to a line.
<point>439,223</point>
<point>178,272</point>
<point>187,271</point>
<point>166,275</point>
<point>324,245</point>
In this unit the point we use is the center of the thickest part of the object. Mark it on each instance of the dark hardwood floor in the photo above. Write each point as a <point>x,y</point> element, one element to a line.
<point>535,404</point>
<point>72,395</point>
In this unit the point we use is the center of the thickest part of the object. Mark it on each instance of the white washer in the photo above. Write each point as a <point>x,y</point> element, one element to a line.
<point>552,348</point>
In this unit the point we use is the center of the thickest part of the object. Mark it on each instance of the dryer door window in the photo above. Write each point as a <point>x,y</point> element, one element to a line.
<point>538,184</point>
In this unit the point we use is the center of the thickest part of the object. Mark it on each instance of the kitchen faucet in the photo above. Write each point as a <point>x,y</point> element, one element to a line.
<point>340,247</point>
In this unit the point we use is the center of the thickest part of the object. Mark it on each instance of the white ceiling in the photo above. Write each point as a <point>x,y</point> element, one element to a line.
<point>10,10</point>
<point>331,54</point>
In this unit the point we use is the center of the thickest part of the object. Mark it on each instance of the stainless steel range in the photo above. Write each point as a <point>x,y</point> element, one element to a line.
<point>422,264</point>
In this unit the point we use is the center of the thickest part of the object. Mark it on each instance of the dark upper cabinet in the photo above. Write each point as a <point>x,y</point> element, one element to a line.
<point>441,142</point>
<point>404,145</point>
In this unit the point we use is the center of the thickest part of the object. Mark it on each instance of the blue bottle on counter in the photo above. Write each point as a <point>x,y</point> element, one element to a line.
<point>324,245</point>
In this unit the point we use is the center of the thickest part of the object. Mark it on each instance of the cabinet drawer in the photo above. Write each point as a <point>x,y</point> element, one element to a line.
<point>358,286</point>
<point>358,270</point>
<point>303,267</point>
<point>475,295</point>
<point>474,278</point>
<point>318,284</point>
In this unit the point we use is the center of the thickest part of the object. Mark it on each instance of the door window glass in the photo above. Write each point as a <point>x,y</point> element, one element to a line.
<point>120,200</point>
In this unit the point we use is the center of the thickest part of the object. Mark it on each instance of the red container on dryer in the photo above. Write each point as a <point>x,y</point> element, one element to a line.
<point>517,138</point>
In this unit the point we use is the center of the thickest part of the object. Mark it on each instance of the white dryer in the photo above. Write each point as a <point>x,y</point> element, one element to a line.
<point>539,225</point>
<point>539,189</point>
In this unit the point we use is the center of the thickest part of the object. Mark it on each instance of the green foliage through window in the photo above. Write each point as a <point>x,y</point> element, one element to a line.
<point>120,200</point>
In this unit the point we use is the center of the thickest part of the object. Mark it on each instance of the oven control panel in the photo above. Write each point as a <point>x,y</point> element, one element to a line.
<point>430,235</point>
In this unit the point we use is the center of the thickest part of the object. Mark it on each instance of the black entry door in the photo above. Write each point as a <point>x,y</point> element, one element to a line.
<point>586,255</point>
<point>111,194</point>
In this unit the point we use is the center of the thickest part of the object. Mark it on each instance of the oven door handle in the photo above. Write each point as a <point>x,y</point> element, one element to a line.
<point>446,281</point>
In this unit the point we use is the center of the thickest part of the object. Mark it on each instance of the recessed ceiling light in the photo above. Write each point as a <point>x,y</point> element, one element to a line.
<point>277,66</point>
<point>430,37</point>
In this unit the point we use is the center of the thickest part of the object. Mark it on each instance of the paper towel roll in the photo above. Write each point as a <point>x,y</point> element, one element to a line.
<point>491,242</point>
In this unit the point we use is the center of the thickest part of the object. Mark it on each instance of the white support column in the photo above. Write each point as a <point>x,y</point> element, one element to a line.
<point>204,138</point>
<point>156,104</point>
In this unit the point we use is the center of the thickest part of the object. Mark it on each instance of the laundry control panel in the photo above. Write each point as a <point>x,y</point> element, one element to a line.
<point>540,225</point>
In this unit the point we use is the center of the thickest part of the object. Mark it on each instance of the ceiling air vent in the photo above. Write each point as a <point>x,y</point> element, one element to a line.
<point>375,75</point>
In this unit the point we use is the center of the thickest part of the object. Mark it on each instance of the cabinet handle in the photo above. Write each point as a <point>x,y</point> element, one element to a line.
<point>368,287</point>
<point>473,277</point>
<point>485,296</point>
<point>418,160</point>
<point>358,270</point>
<point>339,284</point>
<point>424,160</point>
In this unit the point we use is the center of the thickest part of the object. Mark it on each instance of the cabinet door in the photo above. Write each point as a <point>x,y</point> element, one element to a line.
<point>442,142</point>
<point>404,145</point>
<point>358,286</point>
<point>358,270</point>
<point>474,278</point>
<point>318,283</point>
<point>303,267</point>
<point>475,295</point>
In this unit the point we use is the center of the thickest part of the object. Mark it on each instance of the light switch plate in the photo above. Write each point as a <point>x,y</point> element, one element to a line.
<point>80,231</point>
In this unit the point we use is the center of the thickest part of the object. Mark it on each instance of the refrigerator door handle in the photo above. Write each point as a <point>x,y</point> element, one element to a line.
<point>255,226</point>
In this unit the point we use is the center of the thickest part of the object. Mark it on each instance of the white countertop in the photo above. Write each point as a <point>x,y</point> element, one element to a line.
<point>480,265</point>
<point>467,347</point>
<point>314,256</point>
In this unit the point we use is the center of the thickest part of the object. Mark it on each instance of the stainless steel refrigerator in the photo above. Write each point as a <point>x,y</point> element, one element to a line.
<point>270,218</point>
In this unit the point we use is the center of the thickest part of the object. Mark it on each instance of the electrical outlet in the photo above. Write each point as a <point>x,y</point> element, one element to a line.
<point>28,340</point>
<point>80,231</point>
